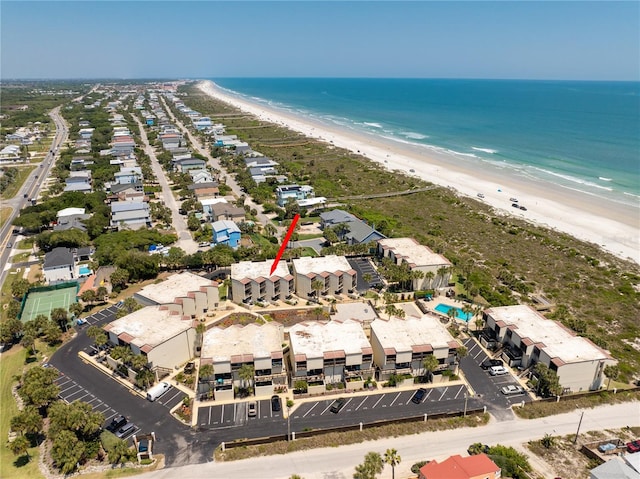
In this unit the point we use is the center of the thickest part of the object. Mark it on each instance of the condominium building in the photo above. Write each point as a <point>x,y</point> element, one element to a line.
<point>333,274</point>
<point>253,282</point>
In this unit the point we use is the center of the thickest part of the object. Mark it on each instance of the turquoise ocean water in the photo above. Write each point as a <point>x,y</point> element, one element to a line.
<point>580,135</point>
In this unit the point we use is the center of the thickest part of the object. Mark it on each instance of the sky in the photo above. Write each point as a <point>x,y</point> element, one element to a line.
<point>213,39</point>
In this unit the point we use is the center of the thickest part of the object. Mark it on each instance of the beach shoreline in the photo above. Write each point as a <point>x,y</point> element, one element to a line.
<point>614,227</point>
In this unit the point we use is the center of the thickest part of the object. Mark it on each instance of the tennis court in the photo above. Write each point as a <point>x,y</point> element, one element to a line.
<point>42,302</point>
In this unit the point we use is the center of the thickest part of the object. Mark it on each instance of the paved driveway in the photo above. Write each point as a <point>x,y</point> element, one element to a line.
<point>487,387</point>
<point>363,266</point>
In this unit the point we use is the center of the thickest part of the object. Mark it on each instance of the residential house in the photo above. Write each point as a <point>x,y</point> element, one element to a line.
<point>255,345</point>
<point>226,211</point>
<point>186,164</point>
<point>10,152</point>
<point>530,338</point>
<point>73,221</point>
<point>202,123</point>
<point>479,466</point>
<point>401,345</point>
<point>204,190</point>
<point>330,352</point>
<point>200,176</point>
<point>253,282</point>
<point>78,181</point>
<point>226,232</point>
<point>209,202</point>
<point>59,265</point>
<point>333,273</point>
<point>615,468</point>
<point>286,193</point>
<point>131,174</point>
<point>130,215</point>
<point>435,268</point>
<point>187,293</point>
<point>165,337</point>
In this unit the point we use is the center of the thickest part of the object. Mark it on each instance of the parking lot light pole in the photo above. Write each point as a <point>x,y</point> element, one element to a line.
<point>288,423</point>
<point>465,404</point>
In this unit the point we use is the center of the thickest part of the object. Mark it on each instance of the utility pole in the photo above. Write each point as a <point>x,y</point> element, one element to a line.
<point>575,439</point>
<point>465,404</point>
<point>288,423</point>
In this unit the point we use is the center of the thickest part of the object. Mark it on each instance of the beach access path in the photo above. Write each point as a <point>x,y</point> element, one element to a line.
<point>612,226</point>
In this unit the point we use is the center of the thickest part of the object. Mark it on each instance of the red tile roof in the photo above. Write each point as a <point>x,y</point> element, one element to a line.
<point>458,467</point>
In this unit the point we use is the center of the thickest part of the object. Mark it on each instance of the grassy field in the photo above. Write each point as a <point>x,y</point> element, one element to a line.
<point>498,260</point>
<point>14,187</point>
<point>5,212</point>
<point>12,364</point>
<point>542,409</point>
<point>5,292</point>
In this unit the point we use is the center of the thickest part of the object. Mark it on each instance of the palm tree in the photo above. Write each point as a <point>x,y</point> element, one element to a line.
<point>247,374</point>
<point>430,363</point>
<point>270,230</point>
<point>477,311</point>
<point>451,313</point>
<point>317,286</point>
<point>468,310</point>
<point>145,378</point>
<point>442,272</point>
<point>201,328</point>
<point>20,446</point>
<point>139,361</point>
<point>392,458</point>
<point>612,372</point>
<point>206,371</point>
<point>429,275</point>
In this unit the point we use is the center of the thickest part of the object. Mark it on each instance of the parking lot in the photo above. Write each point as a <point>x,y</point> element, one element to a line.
<point>363,266</point>
<point>235,414</point>
<point>171,398</point>
<point>488,387</point>
<point>71,391</point>
<point>387,405</point>
<point>107,314</point>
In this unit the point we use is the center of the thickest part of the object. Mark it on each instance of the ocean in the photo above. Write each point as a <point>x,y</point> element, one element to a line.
<point>580,135</point>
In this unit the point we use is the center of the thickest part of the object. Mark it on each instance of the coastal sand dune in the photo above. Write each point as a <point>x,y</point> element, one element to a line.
<point>612,226</point>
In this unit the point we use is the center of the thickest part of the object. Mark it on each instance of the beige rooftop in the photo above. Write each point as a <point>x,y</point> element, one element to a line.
<point>558,341</point>
<point>321,264</point>
<point>403,334</point>
<point>258,340</point>
<point>359,311</point>
<point>413,252</point>
<point>259,269</point>
<point>314,339</point>
<point>175,286</point>
<point>151,325</point>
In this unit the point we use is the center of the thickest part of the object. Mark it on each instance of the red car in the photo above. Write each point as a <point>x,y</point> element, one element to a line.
<point>633,446</point>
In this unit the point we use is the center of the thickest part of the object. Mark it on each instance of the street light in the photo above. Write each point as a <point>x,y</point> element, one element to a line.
<point>465,404</point>
<point>288,421</point>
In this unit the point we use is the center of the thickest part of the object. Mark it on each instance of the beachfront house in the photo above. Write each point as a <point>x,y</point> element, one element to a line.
<point>229,349</point>
<point>478,466</point>
<point>400,346</point>
<point>434,269</point>
<point>253,282</point>
<point>529,338</point>
<point>287,193</point>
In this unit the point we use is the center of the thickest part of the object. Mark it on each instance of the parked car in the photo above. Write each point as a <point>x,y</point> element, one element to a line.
<point>498,370</point>
<point>418,397</point>
<point>276,404</point>
<point>515,205</point>
<point>116,423</point>
<point>126,430</point>
<point>523,208</point>
<point>337,405</point>
<point>633,446</point>
<point>252,409</point>
<point>512,390</point>
<point>487,363</point>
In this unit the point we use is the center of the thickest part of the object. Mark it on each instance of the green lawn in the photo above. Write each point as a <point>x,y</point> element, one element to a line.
<point>14,187</point>
<point>4,215</point>
<point>12,364</point>
<point>5,292</point>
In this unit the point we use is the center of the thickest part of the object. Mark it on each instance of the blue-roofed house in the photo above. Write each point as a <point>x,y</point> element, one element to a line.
<point>226,232</point>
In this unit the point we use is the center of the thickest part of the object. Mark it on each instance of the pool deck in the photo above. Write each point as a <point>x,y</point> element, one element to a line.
<point>431,306</point>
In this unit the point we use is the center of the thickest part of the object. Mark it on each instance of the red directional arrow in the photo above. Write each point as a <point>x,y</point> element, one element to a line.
<point>284,243</point>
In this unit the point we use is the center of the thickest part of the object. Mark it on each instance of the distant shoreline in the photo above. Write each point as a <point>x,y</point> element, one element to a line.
<point>612,226</point>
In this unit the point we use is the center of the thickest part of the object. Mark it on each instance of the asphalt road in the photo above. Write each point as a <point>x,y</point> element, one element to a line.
<point>339,462</point>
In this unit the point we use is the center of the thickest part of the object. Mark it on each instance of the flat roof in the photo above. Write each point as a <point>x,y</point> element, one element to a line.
<point>314,339</point>
<point>258,269</point>
<point>152,326</point>
<point>359,311</point>
<point>403,334</point>
<point>261,341</point>
<point>558,342</point>
<point>321,264</point>
<point>175,286</point>
<point>413,252</point>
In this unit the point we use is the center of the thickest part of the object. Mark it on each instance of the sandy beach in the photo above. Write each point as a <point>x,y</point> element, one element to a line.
<point>612,226</point>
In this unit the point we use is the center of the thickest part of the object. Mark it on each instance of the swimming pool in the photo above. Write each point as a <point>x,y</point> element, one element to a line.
<point>444,308</point>
<point>84,270</point>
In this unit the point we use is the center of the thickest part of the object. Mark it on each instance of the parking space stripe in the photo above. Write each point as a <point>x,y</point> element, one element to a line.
<point>325,409</point>
<point>459,391</point>
<point>222,414</point>
<point>94,399</point>
<point>394,399</point>
<point>443,393</point>
<point>81,390</point>
<point>378,401</point>
<point>80,398</point>
<point>209,422</point>
<point>365,399</point>
<point>311,409</point>
<point>68,389</point>
<point>172,398</point>
<point>428,394</point>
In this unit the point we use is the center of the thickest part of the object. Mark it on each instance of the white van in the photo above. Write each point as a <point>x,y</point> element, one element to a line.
<point>158,390</point>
